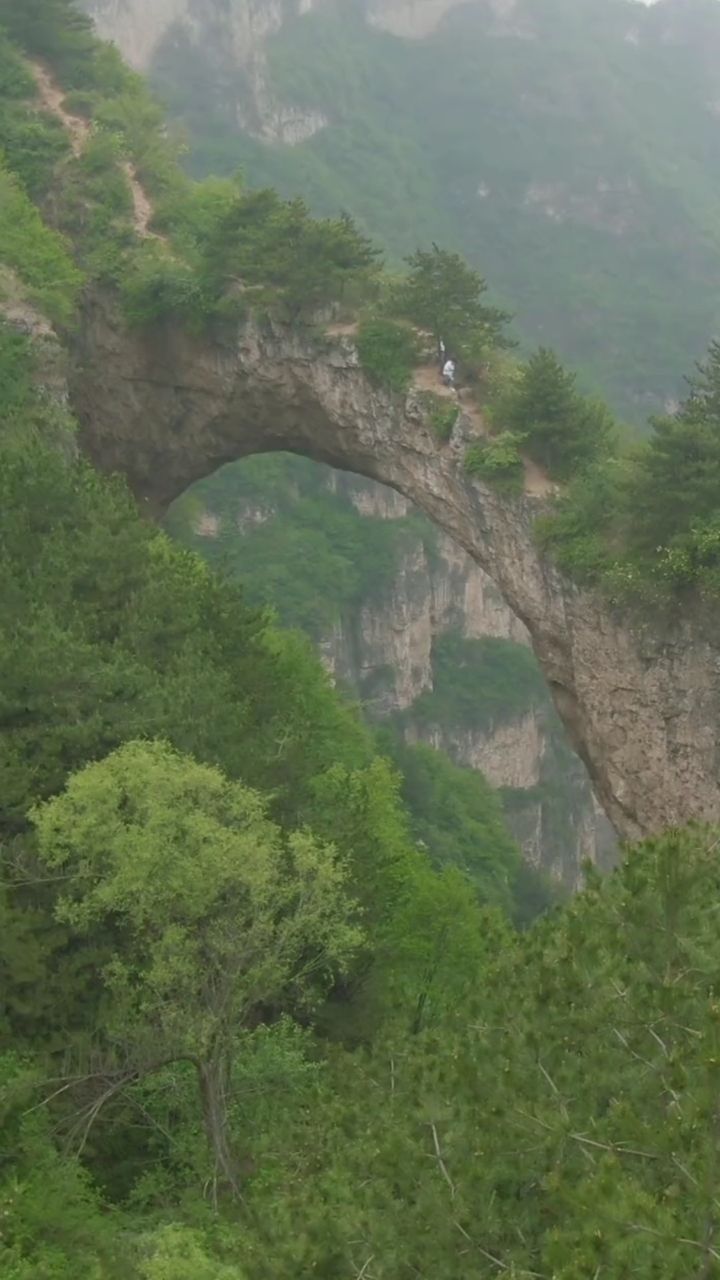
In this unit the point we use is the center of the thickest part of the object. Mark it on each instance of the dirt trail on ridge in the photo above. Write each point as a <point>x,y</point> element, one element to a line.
<point>342,330</point>
<point>53,98</point>
<point>427,378</point>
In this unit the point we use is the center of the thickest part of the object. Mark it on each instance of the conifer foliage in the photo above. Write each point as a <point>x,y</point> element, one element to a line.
<point>264,1013</point>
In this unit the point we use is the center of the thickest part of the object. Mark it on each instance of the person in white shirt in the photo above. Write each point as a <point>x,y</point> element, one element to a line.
<point>448,372</point>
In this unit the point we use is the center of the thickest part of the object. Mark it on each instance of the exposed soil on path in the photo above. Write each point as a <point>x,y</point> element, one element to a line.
<point>53,99</point>
<point>339,330</point>
<point>427,378</point>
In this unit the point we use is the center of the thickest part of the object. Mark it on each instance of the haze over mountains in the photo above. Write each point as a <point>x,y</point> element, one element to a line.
<point>569,148</point>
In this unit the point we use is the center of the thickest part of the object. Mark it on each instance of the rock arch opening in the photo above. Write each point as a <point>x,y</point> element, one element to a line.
<point>406,623</point>
<point>640,704</point>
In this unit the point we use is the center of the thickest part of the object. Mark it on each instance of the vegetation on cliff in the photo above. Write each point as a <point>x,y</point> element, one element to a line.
<point>568,150</point>
<point>642,521</point>
<point>215,250</point>
<point>251,1027</point>
<point>170,764</point>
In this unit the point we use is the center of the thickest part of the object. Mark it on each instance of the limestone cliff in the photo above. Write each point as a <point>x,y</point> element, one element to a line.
<point>640,698</point>
<point>388,649</point>
<point>384,649</point>
<point>228,38</point>
<point>386,654</point>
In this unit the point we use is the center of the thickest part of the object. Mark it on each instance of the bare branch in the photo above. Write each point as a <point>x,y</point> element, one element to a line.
<point>441,1162</point>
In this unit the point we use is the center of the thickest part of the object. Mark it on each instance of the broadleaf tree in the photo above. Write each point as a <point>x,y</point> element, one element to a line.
<point>219,917</point>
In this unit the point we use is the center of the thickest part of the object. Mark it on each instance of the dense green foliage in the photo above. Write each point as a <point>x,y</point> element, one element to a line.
<point>203,859</point>
<point>442,296</point>
<point>457,816</point>
<point>644,523</point>
<point>32,141</point>
<point>264,1011</point>
<point>36,253</point>
<point>210,244</point>
<point>497,460</point>
<point>216,250</point>
<point>569,152</point>
<point>388,351</point>
<point>562,430</point>
<point>478,683</point>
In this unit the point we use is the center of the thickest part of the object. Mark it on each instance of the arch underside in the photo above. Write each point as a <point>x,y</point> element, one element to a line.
<point>641,704</point>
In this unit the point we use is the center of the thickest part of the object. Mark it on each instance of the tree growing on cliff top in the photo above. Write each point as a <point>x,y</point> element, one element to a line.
<point>563,429</point>
<point>443,295</point>
<point>675,488</point>
<point>264,241</point>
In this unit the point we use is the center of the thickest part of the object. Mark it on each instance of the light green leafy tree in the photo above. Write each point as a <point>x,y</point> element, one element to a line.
<point>217,918</point>
<point>178,1253</point>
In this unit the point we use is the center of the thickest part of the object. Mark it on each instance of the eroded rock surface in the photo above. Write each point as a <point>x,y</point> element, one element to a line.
<point>640,701</point>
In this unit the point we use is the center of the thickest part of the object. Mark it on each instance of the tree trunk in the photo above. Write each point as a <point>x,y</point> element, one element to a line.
<point>211,1079</point>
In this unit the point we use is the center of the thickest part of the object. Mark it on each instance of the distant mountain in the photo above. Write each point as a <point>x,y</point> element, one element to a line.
<point>570,148</point>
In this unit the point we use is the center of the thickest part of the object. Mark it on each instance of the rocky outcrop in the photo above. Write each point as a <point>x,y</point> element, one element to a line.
<point>385,650</point>
<point>640,698</point>
<point>508,755</point>
<point>229,37</point>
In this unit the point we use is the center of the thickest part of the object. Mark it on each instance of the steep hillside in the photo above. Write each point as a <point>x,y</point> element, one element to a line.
<point>405,621</point>
<point>570,149</point>
<point>264,1014</point>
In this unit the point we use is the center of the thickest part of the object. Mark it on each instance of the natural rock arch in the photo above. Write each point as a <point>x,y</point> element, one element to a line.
<point>640,702</point>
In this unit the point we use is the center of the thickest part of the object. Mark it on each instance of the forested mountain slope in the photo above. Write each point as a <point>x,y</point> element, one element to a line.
<point>408,624</point>
<point>250,1027</point>
<point>569,148</point>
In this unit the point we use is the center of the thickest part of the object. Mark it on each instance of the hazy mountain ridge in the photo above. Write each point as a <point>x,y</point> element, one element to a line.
<point>571,151</point>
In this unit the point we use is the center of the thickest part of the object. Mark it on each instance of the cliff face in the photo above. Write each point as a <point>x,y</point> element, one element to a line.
<point>640,700</point>
<point>227,39</point>
<point>383,647</point>
<point>386,653</point>
<point>387,648</point>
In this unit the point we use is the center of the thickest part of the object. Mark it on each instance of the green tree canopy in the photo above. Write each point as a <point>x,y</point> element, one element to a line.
<point>219,916</point>
<point>563,430</point>
<point>262,241</point>
<point>443,295</point>
<point>675,485</point>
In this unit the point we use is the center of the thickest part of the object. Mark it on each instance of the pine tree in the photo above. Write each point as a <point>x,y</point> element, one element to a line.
<point>563,429</point>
